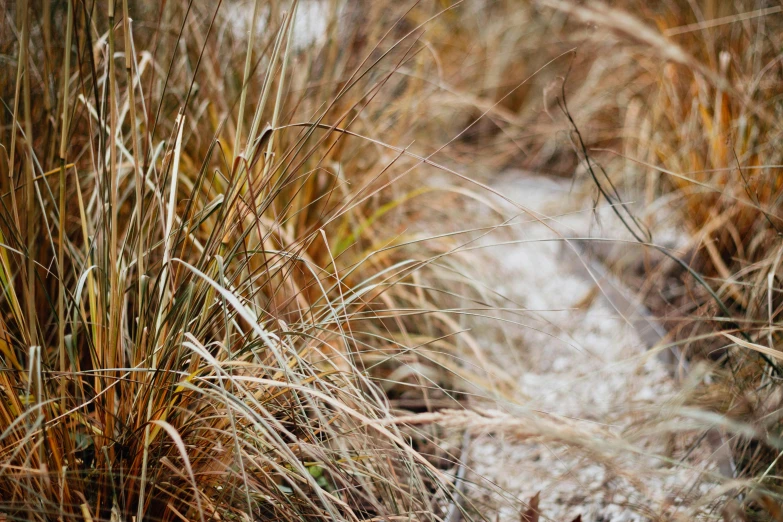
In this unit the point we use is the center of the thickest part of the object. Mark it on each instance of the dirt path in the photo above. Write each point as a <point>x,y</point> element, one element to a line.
<point>578,357</point>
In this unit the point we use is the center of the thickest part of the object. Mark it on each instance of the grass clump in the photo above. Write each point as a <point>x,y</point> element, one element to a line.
<point>691,133</point>
<point>201,279</point>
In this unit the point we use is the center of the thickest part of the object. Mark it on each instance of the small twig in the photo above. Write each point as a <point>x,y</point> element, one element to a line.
<point>636,233</point>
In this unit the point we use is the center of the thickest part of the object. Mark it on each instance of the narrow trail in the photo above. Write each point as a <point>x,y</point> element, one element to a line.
<point>581,356</point>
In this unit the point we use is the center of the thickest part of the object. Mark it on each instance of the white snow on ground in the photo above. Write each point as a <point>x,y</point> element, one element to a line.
<point>586,363</point>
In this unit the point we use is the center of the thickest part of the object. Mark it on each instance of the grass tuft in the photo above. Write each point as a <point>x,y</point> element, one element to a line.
<point>203,293</point>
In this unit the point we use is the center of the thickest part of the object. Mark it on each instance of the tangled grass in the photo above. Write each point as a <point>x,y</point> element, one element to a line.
<point>209,293</point>
<point>675,107</point>
<point>683,116</point>
<point>218,297</point>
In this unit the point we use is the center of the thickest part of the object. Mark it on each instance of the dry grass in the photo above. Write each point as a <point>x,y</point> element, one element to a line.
<point>208,301</point>
<point>684,116</point>
<point>221,297</point>
<point>677,105</point>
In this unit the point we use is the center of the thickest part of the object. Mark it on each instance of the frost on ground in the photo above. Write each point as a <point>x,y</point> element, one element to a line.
<point>579,356</point>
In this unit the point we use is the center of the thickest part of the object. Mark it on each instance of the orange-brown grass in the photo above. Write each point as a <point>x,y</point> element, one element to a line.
<point>206,288</point>
<point>218,287</point>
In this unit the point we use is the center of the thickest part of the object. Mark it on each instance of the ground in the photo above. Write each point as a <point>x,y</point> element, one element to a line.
<point>580,354</point>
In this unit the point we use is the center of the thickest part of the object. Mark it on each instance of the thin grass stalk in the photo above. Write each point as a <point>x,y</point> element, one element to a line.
<point>139,182</point>
<point>62,211</point>
<point>11,160</point>
<point>46,20</point>
<point>251,138</point>
<point>246,79</point>
<point>34,398</point>
<point>169,224</point>
<point>61,238</point>
<point>96,326</point>
<point>113,270</point>
<point>29,182</point>
<point>280,86</point>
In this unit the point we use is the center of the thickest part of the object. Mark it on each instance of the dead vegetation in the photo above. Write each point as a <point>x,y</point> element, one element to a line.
<point>223,296</point>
